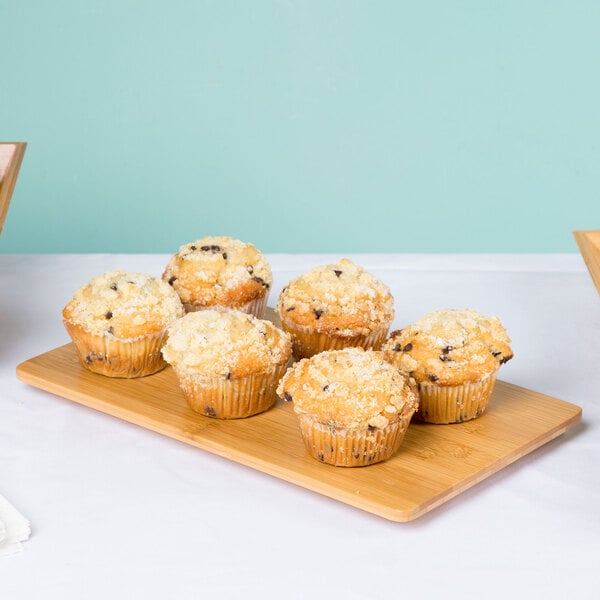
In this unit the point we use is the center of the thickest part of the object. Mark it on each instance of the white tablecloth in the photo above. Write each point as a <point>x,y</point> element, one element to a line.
<point>120,512</point>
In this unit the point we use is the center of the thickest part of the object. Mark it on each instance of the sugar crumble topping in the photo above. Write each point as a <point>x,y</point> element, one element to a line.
<point>229,344</point>
<point>124,305</point>
<point>342,298</point>
<point>450,347</point>
<point>352,388</point>
<point>218,270</point>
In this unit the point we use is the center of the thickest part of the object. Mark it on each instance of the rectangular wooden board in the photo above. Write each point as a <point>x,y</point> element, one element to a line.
<point>589,246</point>
<point>434,463</point>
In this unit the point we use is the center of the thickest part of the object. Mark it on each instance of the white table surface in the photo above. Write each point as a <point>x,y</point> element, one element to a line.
<point>120,512</point>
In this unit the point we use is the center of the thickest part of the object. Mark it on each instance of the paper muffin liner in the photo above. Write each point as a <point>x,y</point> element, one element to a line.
<point>255,307</point>
<point>115,357</point>
<point>445,404</point>
<point>307,342</point>
<point>344,447</point>
<point>234,398</point>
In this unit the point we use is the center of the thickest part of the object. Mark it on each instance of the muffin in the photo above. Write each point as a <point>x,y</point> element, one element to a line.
<point>220,273</point>
<point>352,405</point>
<point>118,323</point>
<point>228,363</point>
<point>454,355</point>
<point>335,306</point>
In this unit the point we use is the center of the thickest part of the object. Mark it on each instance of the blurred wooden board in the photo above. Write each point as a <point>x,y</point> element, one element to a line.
<point>589,246</point>
<point>11,157</point>
<point>434,464</point>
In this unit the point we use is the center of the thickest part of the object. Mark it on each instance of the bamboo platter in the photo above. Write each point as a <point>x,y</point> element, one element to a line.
<point>434,463</point>
<point>589,246</point>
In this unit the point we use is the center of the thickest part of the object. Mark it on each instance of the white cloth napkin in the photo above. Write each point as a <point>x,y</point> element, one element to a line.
<point>14,528</point>
<point>6,153</point>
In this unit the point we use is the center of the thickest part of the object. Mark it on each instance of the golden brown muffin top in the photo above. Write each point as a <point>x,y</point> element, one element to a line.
<point>229,344</point>
<point>351,388</point>
<point>341,299</point>
<point>124,305</point>
<point>450,347</point>
<point>218,271</point>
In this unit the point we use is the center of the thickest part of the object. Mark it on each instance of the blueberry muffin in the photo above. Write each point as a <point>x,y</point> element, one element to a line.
<point>228,363</point>
<point>220,273</point>
<point>118,323</point>
<point>335,306</point>
<point>454,355</point>
<point>352,405</point>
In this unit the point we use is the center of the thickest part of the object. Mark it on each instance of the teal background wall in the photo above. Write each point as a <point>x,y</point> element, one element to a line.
<point>321,126</point>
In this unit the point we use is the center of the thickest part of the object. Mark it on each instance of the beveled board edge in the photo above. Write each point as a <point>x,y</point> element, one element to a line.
<point>499,464</point>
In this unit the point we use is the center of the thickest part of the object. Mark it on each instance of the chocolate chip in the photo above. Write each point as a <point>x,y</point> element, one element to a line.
<point>408,347</point>
<point>433,377</point>
<point>397,347</point>
<point>108,315</point>
<point>261,281</point>
<point>505,359</point>
<point>113,286</point>
<point>337,273</point>
<point>209,411</point>
<point>290,308</point>
<point>371,428</point>
<point>228,376</point>
<point>172,280</point>
<point>287,396</point>
<point>205,248</point>
<point>110,330</point>
<point>496,354</point>
<point>446,358</point>
<point>193,248</point>
<point>321,457</point>
<point>250,269</point>
<point>318,312</point>
<point>325,387</point>
<point>215,249</point>
<point>92,356</point>
<point>224,255</point>
<point>447,349</point>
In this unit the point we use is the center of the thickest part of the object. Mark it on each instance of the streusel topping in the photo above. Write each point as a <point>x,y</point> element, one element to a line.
<point>341,298</point>
<point>450,347</point>
<point>230,344</point>
<point>352,388</point>
<point>124,305</point>
<point>218,271</point>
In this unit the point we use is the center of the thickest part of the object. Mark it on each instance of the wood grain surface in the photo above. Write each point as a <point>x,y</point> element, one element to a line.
<point>434,463</point>
<point>589,246</point>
